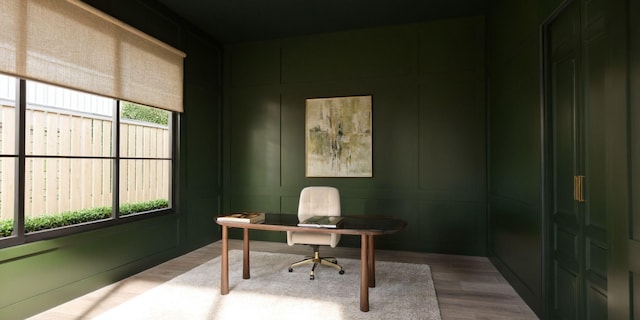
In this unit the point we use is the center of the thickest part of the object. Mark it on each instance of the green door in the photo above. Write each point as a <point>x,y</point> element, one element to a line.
<point>577,250</point>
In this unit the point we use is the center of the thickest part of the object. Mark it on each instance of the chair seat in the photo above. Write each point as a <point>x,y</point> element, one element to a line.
<point>311,238</point>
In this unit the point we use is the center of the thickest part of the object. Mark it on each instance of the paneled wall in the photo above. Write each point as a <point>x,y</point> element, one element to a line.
<point>515,146</point>
<point>515,213</point>
<point>428,86</point>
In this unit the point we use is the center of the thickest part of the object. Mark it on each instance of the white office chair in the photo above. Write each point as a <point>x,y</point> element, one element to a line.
<point>316,201</point>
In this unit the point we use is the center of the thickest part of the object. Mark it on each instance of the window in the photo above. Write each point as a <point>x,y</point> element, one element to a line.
<point>78,160</point>
<point>145,157</point>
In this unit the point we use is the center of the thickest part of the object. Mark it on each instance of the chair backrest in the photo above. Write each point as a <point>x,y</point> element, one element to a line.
<point>318,201</point>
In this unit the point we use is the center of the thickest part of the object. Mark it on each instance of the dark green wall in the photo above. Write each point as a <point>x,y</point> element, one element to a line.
<point>515,213</point>
<point>429,168</point>
<point>42,274</point>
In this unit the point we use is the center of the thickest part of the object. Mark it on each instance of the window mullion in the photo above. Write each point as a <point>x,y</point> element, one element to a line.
<point>21,107</point>
<point>115,163</point>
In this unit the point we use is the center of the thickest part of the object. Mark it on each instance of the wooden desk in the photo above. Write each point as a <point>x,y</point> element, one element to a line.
<point>364,226</point>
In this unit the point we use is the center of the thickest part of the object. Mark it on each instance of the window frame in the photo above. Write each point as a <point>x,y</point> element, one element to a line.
<point>20,237</point>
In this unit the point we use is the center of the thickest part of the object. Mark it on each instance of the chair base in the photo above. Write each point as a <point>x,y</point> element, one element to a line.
<point>316,259</point>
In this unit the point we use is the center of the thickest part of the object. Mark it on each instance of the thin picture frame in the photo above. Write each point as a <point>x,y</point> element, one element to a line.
<point>338,137</point>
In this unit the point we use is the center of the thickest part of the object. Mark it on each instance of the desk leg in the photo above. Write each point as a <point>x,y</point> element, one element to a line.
<point>364,273</point>
<point>245,249</point>
<point>372,262</point>
<point>224,268</point>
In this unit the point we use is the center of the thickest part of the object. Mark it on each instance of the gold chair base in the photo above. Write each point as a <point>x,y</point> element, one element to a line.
<point>316,259</point>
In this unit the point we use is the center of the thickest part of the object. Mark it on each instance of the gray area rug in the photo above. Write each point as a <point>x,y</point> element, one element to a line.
<point>403,291</point>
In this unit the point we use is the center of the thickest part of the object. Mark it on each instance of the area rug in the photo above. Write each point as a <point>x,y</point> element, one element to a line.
<point>403,291</point>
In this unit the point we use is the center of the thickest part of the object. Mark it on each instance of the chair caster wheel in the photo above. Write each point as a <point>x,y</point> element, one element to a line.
<point>341,272</point>
<point>311,277</point>
<point>290,269</point>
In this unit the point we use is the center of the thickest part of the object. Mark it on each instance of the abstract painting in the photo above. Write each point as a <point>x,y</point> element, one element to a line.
<point>338,137</point>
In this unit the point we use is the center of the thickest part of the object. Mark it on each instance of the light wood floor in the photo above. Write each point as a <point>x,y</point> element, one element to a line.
<point>467,287</point>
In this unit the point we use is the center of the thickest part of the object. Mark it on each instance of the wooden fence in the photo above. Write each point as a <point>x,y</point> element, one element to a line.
<point>60,184</point>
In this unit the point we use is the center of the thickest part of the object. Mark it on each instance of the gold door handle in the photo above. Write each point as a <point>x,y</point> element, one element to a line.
<point>578,188</point>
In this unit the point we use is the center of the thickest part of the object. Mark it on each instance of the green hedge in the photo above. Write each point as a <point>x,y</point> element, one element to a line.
<point>80,216</point>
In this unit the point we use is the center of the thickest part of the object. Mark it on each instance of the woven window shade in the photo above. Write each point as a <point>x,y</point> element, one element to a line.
<point>71,44</point>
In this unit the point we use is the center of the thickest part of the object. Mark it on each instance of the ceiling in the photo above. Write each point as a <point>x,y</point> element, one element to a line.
<point>233,21</point>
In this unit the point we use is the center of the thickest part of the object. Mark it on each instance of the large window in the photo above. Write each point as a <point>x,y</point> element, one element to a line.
<point>71,160</point>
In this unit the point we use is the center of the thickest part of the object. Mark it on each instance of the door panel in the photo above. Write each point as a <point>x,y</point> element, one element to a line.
<point>636,293</point>
<point>566,301</point>
<point>634,255</point>
<point>596,303</point>
<point>578,217</point>
<point>634,265</point>
<point>634,274</point>
<point>594,52</point>
<point>565,274</point>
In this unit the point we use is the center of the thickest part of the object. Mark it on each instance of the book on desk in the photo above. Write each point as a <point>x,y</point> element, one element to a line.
<point>322,222</point>
<point>244,217</point>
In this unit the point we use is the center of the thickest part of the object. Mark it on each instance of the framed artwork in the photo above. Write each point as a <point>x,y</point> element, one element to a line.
<point>338,137</point>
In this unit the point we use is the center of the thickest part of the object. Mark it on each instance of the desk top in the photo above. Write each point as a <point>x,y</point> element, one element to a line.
<point>354,225</point>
